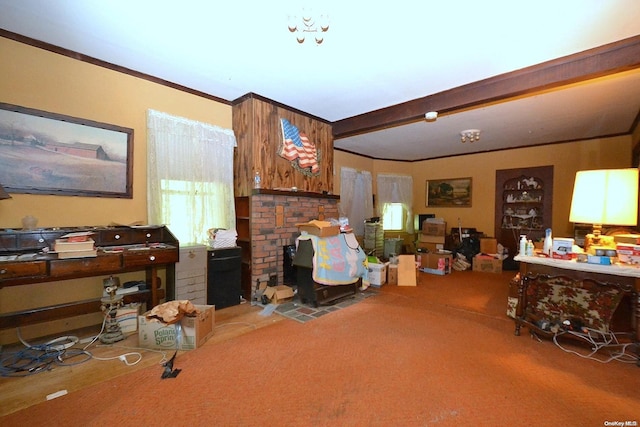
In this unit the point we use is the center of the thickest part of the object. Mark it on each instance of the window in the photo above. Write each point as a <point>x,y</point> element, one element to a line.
<point>395,202</point>
<point>190,176</point>
<point>393,217</point>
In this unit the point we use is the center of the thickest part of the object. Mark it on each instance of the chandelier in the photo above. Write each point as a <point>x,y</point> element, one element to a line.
<point>309,26</point>
<point>470,135</point>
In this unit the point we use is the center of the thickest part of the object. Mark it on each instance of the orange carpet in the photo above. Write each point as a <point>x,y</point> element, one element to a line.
<point>439,354</point>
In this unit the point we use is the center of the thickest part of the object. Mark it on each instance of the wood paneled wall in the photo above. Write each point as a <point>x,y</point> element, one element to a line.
<point>256,124</point>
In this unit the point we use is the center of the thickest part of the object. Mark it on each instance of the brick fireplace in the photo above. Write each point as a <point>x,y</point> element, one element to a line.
<point>273,218</point>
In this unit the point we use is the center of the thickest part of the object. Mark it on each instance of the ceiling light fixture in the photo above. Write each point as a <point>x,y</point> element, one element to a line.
<point>307,25</point>
<point>431,116</point>
<point>470,135</point>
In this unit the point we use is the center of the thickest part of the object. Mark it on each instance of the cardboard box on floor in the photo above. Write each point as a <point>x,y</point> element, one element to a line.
<point>194,331</point>
<point>436,263</point>
<point>392,274</point>
<point>278,294</point>
<point>487,264</point>
<point>377,274</point>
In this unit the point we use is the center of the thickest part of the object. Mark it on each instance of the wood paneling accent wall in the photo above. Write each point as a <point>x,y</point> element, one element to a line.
<point>256,124</point>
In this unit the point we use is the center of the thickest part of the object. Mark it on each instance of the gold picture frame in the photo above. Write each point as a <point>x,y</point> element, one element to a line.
<point>453,192</point>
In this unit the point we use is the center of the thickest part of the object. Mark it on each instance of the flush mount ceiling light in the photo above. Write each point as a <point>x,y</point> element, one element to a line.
<point>470,135</point>
<point>308,25</point>
<point>431,116</point>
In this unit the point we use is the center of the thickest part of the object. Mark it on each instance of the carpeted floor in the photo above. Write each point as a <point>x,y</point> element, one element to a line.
<point>439,354</point>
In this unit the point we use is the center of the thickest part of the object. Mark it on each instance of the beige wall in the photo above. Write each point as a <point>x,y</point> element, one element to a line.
<point>43,80</point>
<point>567,158</point>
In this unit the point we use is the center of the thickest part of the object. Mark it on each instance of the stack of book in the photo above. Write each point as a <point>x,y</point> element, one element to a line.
<point>75,245</point>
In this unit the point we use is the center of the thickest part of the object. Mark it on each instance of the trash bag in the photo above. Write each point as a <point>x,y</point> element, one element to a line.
<point>469,247</point>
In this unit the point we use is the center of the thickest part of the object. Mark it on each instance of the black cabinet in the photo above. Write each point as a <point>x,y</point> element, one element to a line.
<point>224,277</point>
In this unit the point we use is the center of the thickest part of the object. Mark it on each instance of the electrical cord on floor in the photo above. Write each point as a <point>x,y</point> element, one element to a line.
<point>122,357</point>
<point>599,340</point>
<point>41,357</point>
<point>35,358</point>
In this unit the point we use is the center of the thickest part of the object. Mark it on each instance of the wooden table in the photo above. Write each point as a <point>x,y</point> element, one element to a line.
<point>24,261</point>
<point>626,278</point>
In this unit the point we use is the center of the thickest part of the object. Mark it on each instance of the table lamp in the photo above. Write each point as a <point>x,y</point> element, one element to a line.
<point>605,196</point>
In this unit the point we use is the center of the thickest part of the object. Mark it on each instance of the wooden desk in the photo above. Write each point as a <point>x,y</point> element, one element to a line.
<point>625,278</point>
<point>120,249</point>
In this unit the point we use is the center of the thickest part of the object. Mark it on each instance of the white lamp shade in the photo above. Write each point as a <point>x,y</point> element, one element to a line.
<point>608,196</point>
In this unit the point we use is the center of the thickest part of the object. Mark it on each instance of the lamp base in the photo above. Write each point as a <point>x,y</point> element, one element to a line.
<point>593,242</point>
<point>113,332</point>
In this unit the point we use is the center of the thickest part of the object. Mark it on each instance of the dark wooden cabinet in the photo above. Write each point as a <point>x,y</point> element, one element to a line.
<point>25,259</point>
<point>523,205</point>
<point>224,277</point>
<point>243,228</point>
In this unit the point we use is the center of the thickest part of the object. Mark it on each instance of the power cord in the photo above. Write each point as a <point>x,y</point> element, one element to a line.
<point>122,357</point>
<point>598,340</point>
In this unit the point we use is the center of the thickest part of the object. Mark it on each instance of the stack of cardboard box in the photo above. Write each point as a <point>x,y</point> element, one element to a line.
<point>432,235</point>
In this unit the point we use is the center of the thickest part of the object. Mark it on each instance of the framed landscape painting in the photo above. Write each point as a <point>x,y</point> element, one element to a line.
<point>49,153</point>
<point>449,193</point>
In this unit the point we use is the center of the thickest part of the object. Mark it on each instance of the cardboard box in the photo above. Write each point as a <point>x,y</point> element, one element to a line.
<point>602,260</point>
<point>195,331</point>
<point>434,228</point>
<point>436,263</point>
<point>562,248</point>
<point>318,229</point>
<point>127,318</point>
<point>428,238</point>
<point>392,274</point>
<point>487,264</point>
<point>633,239</point>
<point>628,253</point>
<point>377,274</point>
<point>278,294</point>
<point>430,247</point>
<point>488,246</point>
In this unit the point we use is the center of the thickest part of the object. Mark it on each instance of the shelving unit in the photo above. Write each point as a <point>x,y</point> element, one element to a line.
<point>523,204</point>
<point>243,228</point>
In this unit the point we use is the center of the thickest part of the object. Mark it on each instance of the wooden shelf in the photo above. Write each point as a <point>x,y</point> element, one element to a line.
<point>62,311</point>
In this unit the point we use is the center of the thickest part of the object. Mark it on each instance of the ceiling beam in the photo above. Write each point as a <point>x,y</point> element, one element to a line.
<point>612,58</point>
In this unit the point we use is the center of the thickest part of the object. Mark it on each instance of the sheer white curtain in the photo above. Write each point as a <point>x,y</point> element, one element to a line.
<point>356,197</point>
<point>189,176</point>
<point>396,189</point>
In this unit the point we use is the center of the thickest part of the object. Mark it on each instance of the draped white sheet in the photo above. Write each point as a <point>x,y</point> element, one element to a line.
<point>356,197</point>
<point>396,189</point>
<point>189,176</point>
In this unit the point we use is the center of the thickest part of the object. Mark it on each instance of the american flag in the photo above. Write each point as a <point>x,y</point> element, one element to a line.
<point>296,146</point>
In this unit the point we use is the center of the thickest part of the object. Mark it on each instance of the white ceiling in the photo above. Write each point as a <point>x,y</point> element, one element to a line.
<point>374,56</point>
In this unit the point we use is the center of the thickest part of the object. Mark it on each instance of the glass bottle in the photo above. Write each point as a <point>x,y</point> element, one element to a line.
<point>257,181</point>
